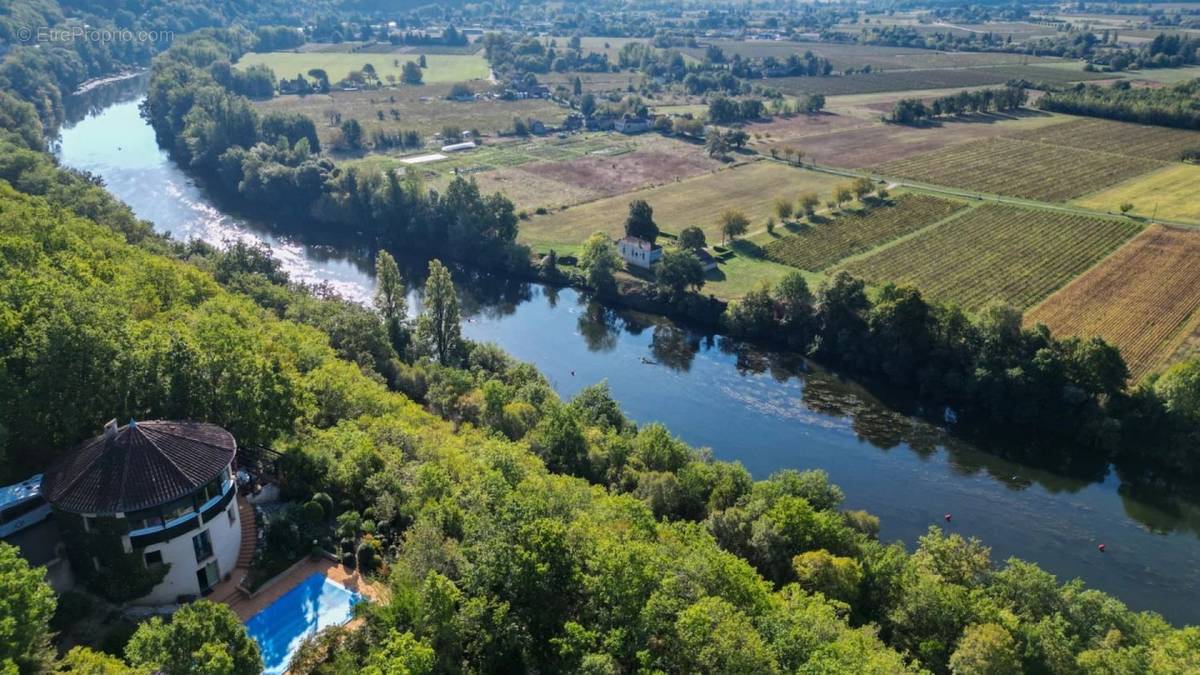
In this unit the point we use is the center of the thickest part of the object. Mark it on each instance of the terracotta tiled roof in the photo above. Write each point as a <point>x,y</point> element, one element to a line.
<point>143,464</point>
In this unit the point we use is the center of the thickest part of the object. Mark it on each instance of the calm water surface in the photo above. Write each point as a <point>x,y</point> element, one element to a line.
<point>764,409</point>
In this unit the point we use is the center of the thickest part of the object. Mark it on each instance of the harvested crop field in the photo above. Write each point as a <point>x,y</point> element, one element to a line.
<point>844,56</point>
<point>879,143</point>
<point>1020,169</point>
<point>815,247</point>
<point>792,128</point>
<point>698,201</point>
<point>614,175</point>
<point>933,78</point>
<point>994,252</point>
<point>1145,298</point>
<point>1122,138</point>
<point>424,109</point>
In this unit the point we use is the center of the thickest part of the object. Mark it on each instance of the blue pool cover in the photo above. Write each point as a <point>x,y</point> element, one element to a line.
<point>313,604</point>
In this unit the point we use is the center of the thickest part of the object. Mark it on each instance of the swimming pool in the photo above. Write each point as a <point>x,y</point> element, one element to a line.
<point>315,603</point>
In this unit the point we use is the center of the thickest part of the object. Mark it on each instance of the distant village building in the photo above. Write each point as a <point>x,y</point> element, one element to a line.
<point>629,124</point>
<point>639,252</point>
<point>164,491</point>
<point>601,122</point>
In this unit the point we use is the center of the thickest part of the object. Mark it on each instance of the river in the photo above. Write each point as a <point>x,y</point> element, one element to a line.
<point>765,409</point>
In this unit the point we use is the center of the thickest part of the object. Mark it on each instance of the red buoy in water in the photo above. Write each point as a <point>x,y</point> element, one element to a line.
<point>1101,548</point>
<point>947,517</point>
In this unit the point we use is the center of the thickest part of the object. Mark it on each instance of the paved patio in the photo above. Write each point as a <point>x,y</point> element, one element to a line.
<point>247,606</point>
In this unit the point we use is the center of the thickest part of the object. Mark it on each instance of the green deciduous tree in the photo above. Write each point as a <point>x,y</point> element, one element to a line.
<point>691,238</point>
<point>411,73</point>
<point>985,649</point>
<point>26,606</point>
<point>599,261</point>
<point>734,224</point>
<point>438,331</point>
<point>390,299</point>
<point>203,637</point>
<point>640,221</point>
<point>678,271</point>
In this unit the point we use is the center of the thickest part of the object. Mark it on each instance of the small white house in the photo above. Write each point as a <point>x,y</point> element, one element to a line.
<point>639,252</point>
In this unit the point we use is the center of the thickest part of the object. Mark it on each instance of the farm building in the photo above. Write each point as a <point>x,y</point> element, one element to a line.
<point>629,124</point>
<point>459,147</point>
<point>707,261</point>
<point>639,252</point>
<point>161,491</point>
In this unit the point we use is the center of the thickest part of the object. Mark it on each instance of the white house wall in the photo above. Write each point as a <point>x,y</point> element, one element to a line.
<point>178,552</point>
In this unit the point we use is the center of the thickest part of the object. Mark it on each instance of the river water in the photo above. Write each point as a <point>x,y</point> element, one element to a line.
<point>762,408</point>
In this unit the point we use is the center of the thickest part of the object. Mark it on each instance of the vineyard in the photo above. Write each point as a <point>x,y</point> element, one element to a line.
<point>1140,299</point>
<point>1121,138</point>
<point>815,247</point>
<point>1020,169</point>
<point>1014,255</point>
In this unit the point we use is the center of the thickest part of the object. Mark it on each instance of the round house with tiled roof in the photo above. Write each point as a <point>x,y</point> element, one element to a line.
<point>166,490</point>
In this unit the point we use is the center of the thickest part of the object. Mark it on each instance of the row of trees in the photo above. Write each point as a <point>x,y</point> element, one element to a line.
<point>1173,106</point>
<point>272,163</point>
<point>915,110</point>
<point>994,372</point>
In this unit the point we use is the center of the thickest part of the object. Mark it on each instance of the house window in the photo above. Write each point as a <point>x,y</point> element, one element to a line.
<point>153,558</point>
<point>178,508</point>
<point>139,520</point>
<point>208,576</point>
<point>202,546</point>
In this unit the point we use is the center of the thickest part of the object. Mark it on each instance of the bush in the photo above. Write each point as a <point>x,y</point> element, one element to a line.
<point>73,607</point>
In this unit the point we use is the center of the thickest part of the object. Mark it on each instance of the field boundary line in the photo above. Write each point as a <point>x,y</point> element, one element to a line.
<point>985,197</point>
<point>889,244</point>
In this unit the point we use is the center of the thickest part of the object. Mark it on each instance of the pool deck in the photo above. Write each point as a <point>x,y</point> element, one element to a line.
<point>246,607</point>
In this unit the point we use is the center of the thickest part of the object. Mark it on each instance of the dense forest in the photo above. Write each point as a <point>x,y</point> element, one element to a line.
<point>1174,106</point>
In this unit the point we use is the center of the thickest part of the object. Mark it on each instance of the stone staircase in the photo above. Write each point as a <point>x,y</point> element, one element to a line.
<point>249,533</point>
<point>228,591</point>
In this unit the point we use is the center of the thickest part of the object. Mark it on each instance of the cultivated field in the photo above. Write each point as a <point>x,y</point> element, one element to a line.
<point>1172,193</point>
<point>1143,298</point>
<point>934,78</point>
<point>844,56</point>
<point>994,252</point>
<point>698,201</point>
<point>877,143</point>
<point>1020,169</point>
<point>424,109</point>
<point>1122,138</point>
<point>550,172</point>
<point>815,247</point>
<point>441,67</point>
